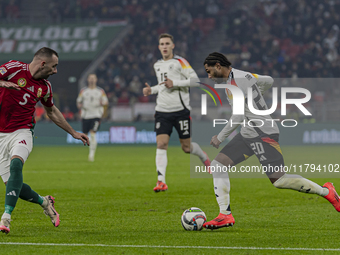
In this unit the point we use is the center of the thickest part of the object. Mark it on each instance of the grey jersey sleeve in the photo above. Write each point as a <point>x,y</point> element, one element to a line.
<point>189,73</point>
<point>264,82</point>
<point>233,123</point>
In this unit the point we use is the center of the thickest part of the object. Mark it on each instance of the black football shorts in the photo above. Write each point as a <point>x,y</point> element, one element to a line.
<point>165,121</point>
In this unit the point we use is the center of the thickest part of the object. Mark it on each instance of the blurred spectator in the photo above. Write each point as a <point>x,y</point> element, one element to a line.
<point>68,115</point>
<point>39,113</point>
<point>184,18</point>
<point>135,86</point>
<point>124,99</point>
<point>12,11</point>
<point>212,9</point>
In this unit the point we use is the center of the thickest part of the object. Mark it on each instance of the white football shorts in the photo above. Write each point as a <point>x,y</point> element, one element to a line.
<point>18,143</point>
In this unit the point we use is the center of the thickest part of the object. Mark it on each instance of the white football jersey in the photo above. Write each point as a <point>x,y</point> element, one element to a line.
<point>92,100</point>
<point>179,71</point>
<point>259,84</point>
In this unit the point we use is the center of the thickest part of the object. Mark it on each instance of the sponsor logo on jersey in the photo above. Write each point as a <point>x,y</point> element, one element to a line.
<point>158,69</point>
<point>31,89</point>
<point>158,125</point>
<point>248,76</point>
<point>39,92</point>
<point>23,142</point>
<point>3,70</point>
<point>171,67</point>
<point>22,82</point>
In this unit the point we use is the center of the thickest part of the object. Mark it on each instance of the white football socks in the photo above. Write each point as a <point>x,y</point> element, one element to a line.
<point>45,203</point>
<point>297,182</point>
<point>161,164</point>
<point>195,149</point>
<point>221,188</point>
<point>93,145</point>
<point>6,216</point>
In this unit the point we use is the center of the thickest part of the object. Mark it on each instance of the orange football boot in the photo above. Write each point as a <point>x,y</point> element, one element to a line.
<point>332,196</point>
<point>160,186</point>
<point>221,221</point>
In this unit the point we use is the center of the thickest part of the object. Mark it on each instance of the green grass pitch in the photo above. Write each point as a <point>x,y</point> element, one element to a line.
<point>111,202</point>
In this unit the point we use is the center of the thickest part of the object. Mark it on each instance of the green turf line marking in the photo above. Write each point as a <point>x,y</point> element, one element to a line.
<point>172,247</point>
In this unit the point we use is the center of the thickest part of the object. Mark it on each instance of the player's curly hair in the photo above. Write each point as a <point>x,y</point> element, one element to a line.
<point>217,57</point>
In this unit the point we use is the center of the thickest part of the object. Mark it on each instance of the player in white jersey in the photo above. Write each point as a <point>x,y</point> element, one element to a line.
<point>261,141</point>
<point>173,109</point>
<point>91,101</point>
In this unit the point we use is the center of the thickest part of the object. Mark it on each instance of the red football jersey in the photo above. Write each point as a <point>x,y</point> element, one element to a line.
<point>17,106</point>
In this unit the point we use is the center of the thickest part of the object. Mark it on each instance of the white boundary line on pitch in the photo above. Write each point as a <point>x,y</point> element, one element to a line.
<point>171,247</point>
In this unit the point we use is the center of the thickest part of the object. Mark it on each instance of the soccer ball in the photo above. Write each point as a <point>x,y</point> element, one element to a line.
<point>193,219</point>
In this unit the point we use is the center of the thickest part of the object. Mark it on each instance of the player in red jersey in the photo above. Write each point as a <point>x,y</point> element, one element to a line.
<point>21,87</point>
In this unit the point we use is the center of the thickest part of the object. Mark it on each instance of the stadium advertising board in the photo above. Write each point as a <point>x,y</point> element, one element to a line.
<point>324,136</point>
<point>121,135</point>
<point>72,42</point>
<point>142,133</point>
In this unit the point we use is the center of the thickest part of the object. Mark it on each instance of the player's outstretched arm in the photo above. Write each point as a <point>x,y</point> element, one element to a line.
<point>264,82</point>
<point>191,80</point>
<point>147,90</point>
<point>9,85</point>
<point>56,116</point>
<point>233,123</point>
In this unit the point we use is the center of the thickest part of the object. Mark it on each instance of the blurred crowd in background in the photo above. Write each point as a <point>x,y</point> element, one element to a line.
<point>10,11</point>
<point>129,66</point>
<point>284,39</point>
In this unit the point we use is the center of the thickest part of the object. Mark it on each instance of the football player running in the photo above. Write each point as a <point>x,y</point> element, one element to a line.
<point>173,109</point>
<point>261,141</point>
<point>17,124</point>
